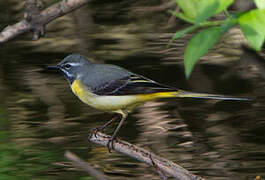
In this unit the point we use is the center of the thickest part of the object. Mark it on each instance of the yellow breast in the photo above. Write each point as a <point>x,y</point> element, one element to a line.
<point>80,91</point>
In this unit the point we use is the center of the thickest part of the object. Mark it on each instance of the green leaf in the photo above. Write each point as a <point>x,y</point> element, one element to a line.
<point>199,45</point>
<point>208,8</point>
<point>181,16</point>
<point>223,5</point>
<point>189,7</point>
<point>252,24</point>
<point>181,33</point>
<point>260,4</point>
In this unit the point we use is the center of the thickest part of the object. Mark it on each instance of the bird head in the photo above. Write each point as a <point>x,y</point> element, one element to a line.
<point>73,66</point>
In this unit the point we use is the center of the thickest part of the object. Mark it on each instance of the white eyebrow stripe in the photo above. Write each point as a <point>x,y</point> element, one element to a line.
<point>74,64</point>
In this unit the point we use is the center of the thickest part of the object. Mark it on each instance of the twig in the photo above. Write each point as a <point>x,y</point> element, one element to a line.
<point>38,22</point>
<point>85,166</point>
<point>144,156</point>
<point>161,173</point>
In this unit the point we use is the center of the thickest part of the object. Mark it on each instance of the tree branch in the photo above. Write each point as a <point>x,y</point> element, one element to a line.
<point>38,22</point>
<point>144,156</point>
<point>76,161</point>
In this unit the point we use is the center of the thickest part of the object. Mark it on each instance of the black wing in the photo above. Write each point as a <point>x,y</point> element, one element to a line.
<point>131,85</point>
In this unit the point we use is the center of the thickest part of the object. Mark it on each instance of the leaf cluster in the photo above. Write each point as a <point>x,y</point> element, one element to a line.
<point>198,12</point>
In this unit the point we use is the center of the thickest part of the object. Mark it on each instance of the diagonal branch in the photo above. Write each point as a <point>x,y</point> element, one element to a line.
<point>84,165</point>
<point>144,156</point>
<point>49,14</point>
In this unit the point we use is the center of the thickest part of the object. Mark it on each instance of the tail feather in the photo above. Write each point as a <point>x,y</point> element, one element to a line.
<point>181,93</point>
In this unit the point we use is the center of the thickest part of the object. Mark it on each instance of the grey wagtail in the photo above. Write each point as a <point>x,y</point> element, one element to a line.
<point>114,89</point>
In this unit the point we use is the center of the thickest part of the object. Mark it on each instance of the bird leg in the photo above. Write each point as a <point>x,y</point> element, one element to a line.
<point>113,137</point>
<point>101,128</point>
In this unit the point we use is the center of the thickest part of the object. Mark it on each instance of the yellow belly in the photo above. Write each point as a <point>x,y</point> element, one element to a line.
<point>113,103</point>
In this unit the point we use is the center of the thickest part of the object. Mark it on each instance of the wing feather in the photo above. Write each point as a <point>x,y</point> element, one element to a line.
<point>131,85</point>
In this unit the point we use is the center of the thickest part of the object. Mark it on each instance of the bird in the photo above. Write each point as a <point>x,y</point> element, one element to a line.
<point>114,89</point>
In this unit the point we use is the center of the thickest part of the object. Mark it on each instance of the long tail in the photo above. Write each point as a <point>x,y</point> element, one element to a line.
<point>182,93</point>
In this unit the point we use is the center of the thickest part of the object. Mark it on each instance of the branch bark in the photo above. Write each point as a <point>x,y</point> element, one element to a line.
<point>144,156</point>
<point>39,22</point>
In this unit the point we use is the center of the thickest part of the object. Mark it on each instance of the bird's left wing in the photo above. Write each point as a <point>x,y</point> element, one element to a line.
<point>131,85</point>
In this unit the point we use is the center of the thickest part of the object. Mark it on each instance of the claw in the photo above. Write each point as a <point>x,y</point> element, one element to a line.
<point>110,144</point>
<point>94,132</point>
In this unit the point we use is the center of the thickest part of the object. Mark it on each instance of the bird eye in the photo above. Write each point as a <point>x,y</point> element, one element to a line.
<point>67,66</point>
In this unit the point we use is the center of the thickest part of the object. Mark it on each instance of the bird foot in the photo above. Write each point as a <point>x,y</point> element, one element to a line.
<point>94,132</point>
<point>110,144</point>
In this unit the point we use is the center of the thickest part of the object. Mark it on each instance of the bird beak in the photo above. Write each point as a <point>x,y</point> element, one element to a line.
<point>53,67</point>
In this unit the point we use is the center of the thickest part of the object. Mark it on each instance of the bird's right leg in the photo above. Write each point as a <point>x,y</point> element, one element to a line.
<point>113,137</point>
<point>101,128</point>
